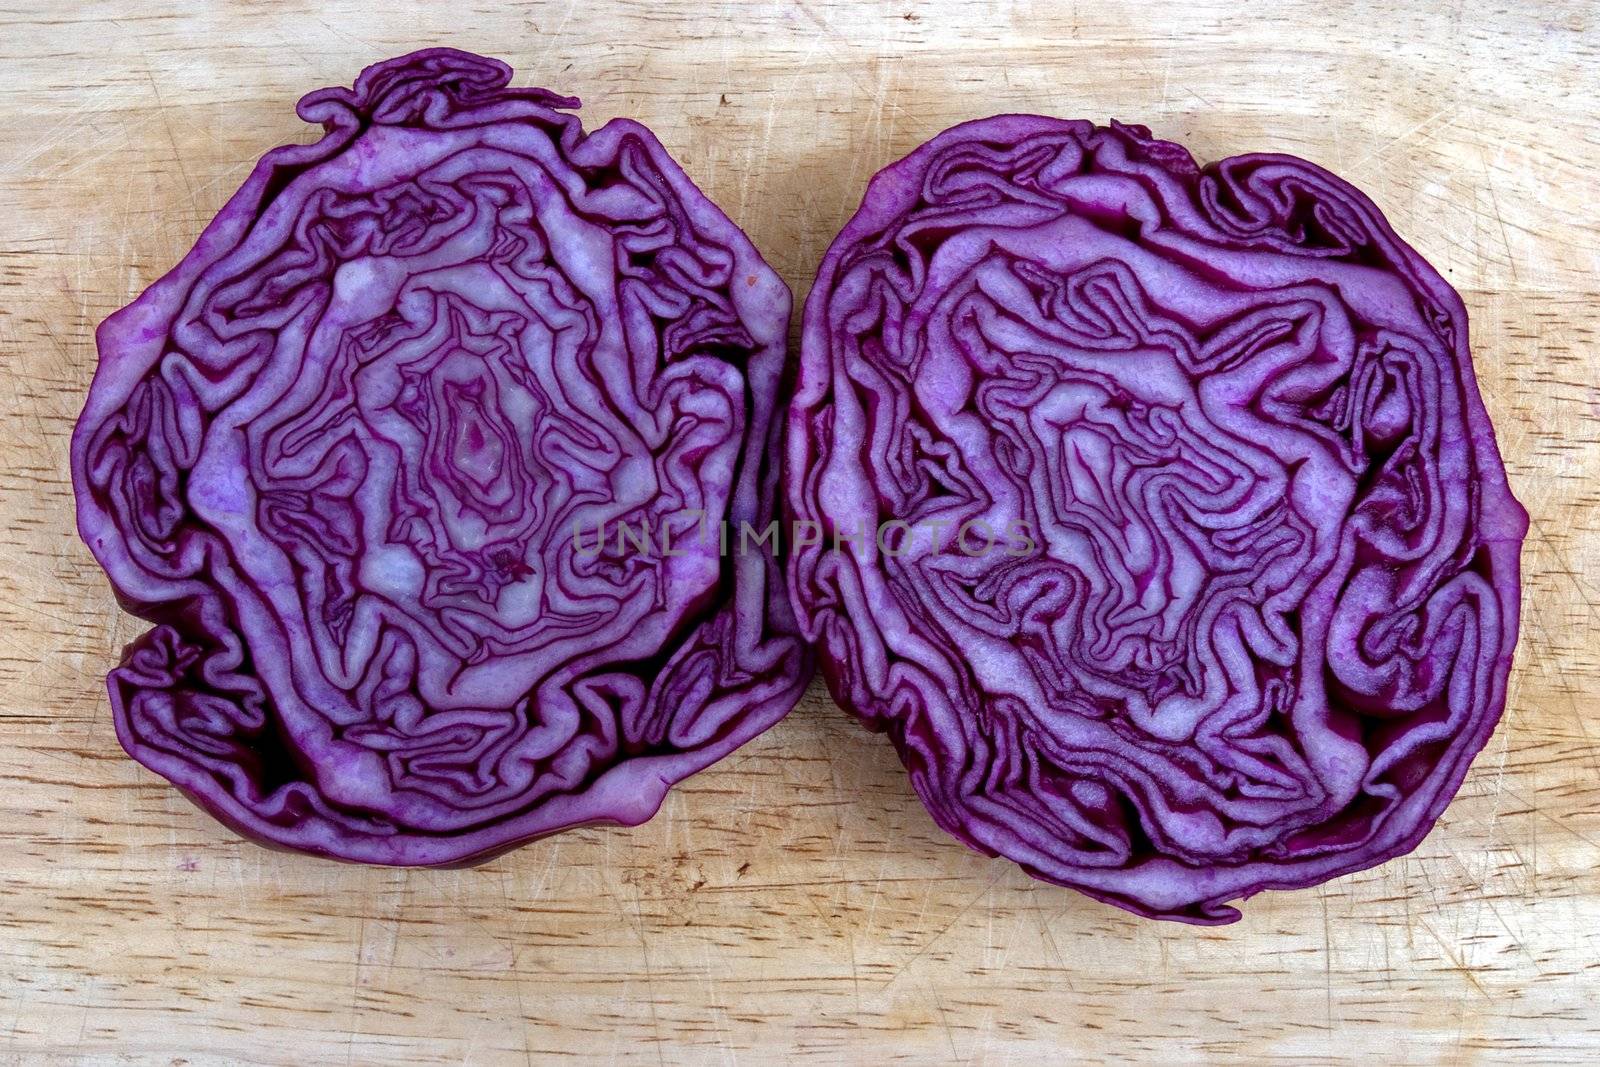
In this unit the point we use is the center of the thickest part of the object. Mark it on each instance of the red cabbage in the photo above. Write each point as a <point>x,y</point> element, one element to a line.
<point>1252,591</point>
<point>340,455</point>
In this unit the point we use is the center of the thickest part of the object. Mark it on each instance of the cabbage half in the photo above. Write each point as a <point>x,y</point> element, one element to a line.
<point>1162,525</point>
<point>366,456</point>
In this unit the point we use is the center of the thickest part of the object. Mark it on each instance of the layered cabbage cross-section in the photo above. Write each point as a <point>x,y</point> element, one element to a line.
<point>359,456</point>
<point>1163,528</point>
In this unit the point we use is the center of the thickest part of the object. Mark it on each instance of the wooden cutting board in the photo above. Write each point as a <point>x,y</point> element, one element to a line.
<point>795,903</point>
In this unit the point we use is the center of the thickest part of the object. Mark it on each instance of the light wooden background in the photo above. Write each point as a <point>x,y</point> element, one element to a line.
<point>795,903</point>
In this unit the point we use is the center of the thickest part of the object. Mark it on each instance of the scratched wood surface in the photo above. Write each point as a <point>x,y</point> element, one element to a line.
<point>795,903</point>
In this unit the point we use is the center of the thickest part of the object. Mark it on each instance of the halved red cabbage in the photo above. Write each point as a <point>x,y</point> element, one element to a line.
<point>341,454</point>
<point>1163,527</point>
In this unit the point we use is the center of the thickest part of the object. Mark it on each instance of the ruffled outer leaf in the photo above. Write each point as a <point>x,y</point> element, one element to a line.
<point>1253,594</point>
<point>352,455</point>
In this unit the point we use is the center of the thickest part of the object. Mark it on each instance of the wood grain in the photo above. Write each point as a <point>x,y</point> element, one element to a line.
<point>795,903</point>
